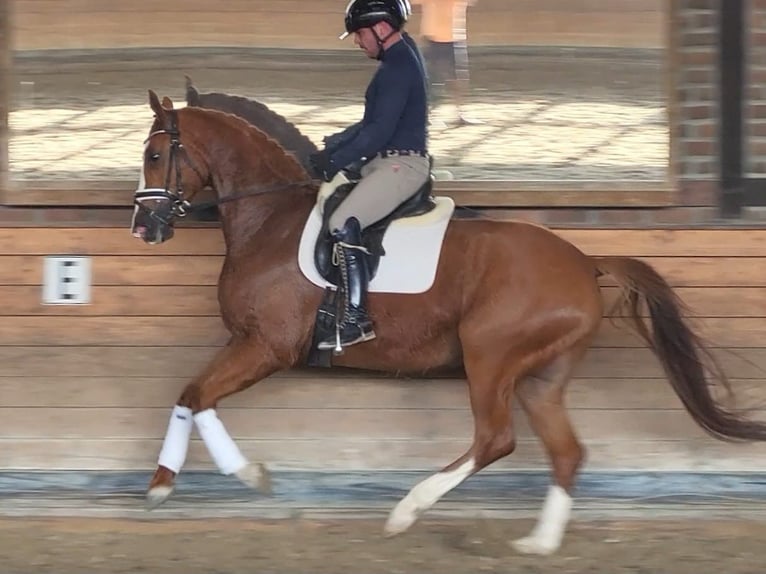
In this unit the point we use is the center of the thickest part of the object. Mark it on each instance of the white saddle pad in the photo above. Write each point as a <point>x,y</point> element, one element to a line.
<point>412,246</point>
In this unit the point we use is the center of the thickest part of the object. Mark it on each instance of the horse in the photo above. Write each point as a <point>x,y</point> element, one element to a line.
<point>512,304</point>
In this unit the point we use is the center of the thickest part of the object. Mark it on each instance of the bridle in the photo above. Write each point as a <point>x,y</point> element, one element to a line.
<point>180,206</point>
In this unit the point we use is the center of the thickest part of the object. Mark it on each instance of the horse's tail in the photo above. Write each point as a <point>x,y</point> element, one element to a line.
<point>686,359</point>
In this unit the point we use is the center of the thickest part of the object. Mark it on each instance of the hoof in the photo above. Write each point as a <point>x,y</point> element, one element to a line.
<point>157,495</point>
<point>256,476</point>
<point>533,545</point>
<point>400,520</point>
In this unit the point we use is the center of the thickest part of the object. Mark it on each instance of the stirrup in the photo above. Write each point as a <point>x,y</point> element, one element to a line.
<point>337,343</point>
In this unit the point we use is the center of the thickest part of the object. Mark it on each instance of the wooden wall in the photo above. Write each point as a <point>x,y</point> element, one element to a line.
<point>81,24</point>
<point>90,387</point>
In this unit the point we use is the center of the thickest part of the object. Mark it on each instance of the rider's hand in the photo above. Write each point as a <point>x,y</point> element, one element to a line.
<point>322,165</point>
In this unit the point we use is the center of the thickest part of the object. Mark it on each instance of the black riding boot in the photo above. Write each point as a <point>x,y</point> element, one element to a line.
<point>355,325</point>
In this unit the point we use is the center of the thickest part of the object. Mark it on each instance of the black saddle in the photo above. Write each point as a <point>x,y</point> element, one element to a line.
<point>372,237</point>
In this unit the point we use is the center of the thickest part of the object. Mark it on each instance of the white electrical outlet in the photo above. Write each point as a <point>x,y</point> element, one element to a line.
<point>66,280</point>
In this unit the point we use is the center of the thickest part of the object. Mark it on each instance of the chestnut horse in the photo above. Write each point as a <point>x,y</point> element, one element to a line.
<point>513,304</point>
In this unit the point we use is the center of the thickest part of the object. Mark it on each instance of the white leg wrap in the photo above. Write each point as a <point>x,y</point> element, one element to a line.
<point>220,445</point>
<point>424,495</point>
<point>176,443</point>
<point>548,533</point>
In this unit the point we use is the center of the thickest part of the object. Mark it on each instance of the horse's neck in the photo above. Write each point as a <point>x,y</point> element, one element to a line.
<point>244,173</point>
<point>255,223</point>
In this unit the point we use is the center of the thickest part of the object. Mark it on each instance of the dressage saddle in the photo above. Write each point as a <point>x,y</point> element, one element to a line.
<point>372,236</point>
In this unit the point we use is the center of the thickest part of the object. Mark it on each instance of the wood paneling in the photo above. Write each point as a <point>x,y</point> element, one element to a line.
<point>310,423</point>
<point>352,453</point>
<point>298,391</point>
<point>117,300</point>
<point>129,299</point>
<point>140,361</point>
<point>91,386</point>
<point>197,331</point>
<point>173,270</point>
<point>727,242</point>
<point>670,243</point>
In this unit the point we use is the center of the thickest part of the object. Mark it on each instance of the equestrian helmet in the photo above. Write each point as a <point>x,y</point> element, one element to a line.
<point>366,13</point>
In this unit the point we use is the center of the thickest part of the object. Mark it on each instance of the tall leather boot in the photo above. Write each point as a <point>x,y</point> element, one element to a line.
<point>349,253</point>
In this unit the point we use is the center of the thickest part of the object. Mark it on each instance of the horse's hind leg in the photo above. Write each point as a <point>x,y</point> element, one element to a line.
<point>490,391</point>
<point>542,397</point>
<point>237,366</point>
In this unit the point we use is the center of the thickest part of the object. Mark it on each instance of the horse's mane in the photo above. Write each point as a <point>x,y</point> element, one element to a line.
<point>259,115</point>
<point>283,161</point>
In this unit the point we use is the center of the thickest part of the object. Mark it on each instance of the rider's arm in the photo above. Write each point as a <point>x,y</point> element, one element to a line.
<point>334,141</point>
<point>391,95</point>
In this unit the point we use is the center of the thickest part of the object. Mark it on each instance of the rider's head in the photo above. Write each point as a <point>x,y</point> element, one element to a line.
<point>375,22</point>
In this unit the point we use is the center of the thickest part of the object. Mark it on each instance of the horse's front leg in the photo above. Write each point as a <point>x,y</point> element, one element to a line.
<point>240,364</point>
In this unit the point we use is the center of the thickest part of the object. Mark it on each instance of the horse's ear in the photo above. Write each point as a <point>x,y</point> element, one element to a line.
<point>192,94</point>
<point>154,102</point>
<point>167,103</point>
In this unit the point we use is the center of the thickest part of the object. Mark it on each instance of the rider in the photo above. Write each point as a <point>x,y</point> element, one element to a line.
<point>335,140</point>
<point>391,138</point>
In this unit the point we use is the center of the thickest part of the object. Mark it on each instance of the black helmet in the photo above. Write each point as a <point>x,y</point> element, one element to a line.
<point>367,13</point>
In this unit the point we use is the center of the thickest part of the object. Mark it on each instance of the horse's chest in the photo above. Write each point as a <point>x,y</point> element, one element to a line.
<point>243,295</point>
<point>235,293</point>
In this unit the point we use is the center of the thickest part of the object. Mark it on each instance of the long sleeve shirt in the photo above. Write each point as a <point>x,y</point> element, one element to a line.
<point>395,111</point>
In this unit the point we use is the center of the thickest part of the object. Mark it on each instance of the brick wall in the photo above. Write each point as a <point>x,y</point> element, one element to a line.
<point>695,100</point>
<point>696,125</point>
<point>755,103</point>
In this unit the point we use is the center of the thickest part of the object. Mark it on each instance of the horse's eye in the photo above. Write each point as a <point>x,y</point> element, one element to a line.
<point>154,157</point>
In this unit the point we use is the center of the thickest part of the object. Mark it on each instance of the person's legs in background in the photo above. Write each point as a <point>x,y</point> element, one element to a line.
<point>437,56</point>
<point>449,81</point>
<point>459,83</point>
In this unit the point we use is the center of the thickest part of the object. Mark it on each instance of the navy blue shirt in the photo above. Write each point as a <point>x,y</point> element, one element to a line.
<point>395,110</point>
<point>414,47</point>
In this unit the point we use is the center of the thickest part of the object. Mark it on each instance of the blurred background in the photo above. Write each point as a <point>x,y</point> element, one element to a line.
<point>557,90</point>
